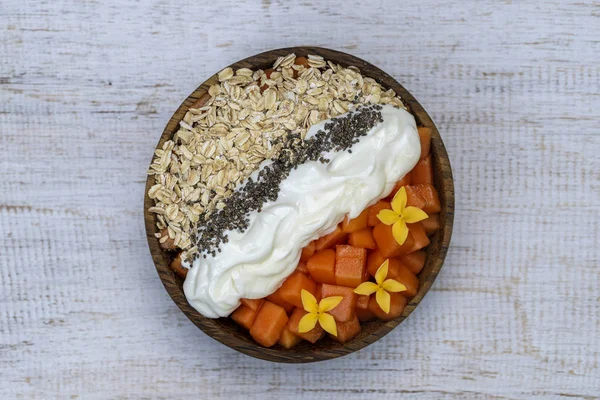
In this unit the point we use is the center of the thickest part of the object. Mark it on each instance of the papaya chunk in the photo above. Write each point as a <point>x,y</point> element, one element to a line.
<point>268,324</point>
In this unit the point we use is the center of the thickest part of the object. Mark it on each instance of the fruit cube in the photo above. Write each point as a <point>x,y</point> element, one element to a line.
<point>288,339</point>
<point>268,324</point>
<point>375,259</point>
<point>350,264</point>
<point>254,304</point>
<point>422,172</point>
<point>425,139</point>
<point>321,266</point>
<point>277,299</point>
<point>302,267</point>
<point>313,335</point>
<point>424,196</point>
<point>432,224</point>
<point>406,180</point>
<point>386,243</point>
<point>414,198</point>
<point>293,285</point>
<point>244,316</point>
<point>347,331</point>
<point>397,304</point>
<point>362,308</point>
<point>408,279</point>
<point>308,251</point>
<point>372,219</point>
<point>357,223</point>
<point>345,310</point>
<point>419,235</point>
<point>414,261</point>
<point>330,240</point>
<point>362,238</point>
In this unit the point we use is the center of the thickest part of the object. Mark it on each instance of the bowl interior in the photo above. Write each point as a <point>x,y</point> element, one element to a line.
<point>225,330</point>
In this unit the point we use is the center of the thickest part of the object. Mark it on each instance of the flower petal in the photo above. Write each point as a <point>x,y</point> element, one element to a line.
<point>307,323</point>
<point>366,288</point>
<point>399,200</point>
<point>414,214</point>
<point>400,232</point>
<point>329,303</point>
<point>382,272</point>
<point>392,285</point>
<point>383,299</point>
<point>308,301</point>
<point>328,323</point>
<point>388,217</point>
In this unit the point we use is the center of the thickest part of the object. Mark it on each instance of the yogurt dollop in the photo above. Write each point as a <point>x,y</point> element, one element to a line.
<point>312,200</point>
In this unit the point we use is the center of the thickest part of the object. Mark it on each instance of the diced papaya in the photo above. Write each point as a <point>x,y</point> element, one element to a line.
<point>386,243</point>
<point>277,299</point>
<point>432,224</point>
<point>362,308</point>
<point>318,293</point>
<point>244,316</point>
<point>308,251</point>
<point>397,304</point>
<point>406,180</point>
<point>357,223</point>
<point>253,304</point>
<point>321,266</point>
<point>362,238</point>
<point>372,219</point>
<point>414,198</point>
<point>408,279</point>
<point>424,196</point>
<point>366,276</point>
<point>350,264</point>
<point>268,324</point>
<point>345,310</point>
<point>425,139</point>
<point>288,339</point>
<point>313,335</point>
<point>375,259</point>
<point>414,261</point>
<point>347,331</point>
<point>345,251</point>
<point>302,267</point>
<point>419,235</point>
<point>293,285</point>
<point>330,240</point>
<point>422,172</point>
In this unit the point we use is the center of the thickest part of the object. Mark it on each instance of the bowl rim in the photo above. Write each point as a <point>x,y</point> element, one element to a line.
<point>235,340</point>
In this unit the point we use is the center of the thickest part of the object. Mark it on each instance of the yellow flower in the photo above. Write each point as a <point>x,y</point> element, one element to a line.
<point>400,215</point>
<point>318,312</point>
<point>381,288</point>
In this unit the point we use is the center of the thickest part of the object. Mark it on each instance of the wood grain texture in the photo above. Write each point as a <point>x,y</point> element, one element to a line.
<point>86,89</point>
<point>229,333</point>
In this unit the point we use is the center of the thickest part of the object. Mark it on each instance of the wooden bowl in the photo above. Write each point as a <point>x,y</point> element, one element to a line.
<point>226,331</point>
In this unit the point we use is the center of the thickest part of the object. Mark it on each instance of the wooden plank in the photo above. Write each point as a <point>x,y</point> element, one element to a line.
<point>86,90</point>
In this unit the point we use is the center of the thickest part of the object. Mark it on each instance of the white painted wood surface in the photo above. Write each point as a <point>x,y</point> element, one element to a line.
<point>86,88</point>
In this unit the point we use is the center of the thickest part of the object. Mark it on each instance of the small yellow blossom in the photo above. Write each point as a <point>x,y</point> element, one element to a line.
<point>400,215</point>
<point>318,312</point>
<point>381,288</point>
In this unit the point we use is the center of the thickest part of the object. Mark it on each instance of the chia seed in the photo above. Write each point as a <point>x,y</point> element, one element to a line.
<point>338,135</point>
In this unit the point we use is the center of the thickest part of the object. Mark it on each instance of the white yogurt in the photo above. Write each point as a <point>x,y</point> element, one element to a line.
<point>313,199</point>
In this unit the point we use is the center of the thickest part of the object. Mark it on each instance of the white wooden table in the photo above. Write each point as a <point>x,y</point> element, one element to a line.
<point>85,90</point>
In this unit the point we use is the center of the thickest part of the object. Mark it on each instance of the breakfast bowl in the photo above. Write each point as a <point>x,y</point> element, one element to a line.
<point>225,330</point>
